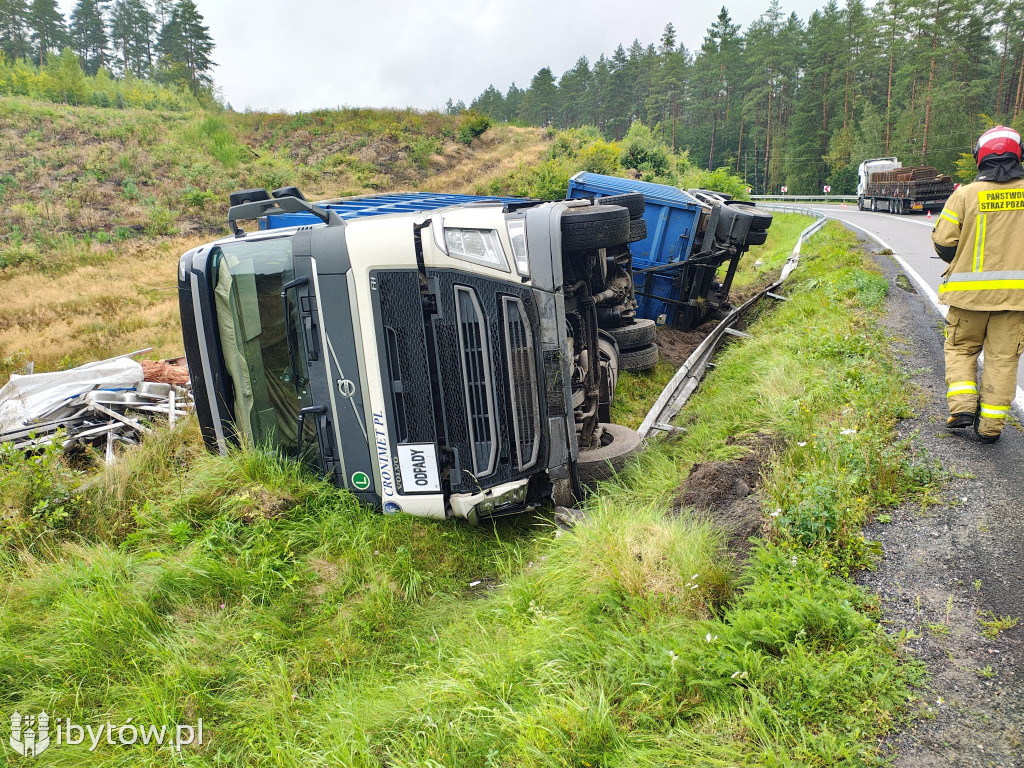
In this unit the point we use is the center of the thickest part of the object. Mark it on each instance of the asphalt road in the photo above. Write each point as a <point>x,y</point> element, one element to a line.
<point>909,238</point>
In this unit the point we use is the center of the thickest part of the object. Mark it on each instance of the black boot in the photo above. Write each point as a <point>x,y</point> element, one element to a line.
<point>960,420</point>
<point>984,439</point>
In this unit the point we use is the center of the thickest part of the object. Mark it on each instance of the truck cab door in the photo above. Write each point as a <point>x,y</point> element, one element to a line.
<point>324,302</point>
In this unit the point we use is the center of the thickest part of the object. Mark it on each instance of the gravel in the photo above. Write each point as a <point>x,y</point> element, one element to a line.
<point>948,565</point>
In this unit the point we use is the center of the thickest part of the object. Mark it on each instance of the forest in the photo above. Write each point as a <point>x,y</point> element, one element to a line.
<point>801,103</point>
<point>122,54</point>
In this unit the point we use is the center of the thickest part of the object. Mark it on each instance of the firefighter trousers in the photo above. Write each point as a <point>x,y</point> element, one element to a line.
<point>1001,336</point>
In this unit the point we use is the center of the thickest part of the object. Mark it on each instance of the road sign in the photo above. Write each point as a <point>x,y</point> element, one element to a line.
<point>785,190</point>
<point>827,189</point>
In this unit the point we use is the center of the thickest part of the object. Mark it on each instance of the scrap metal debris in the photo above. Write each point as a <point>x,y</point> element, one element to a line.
<point>105,404</point>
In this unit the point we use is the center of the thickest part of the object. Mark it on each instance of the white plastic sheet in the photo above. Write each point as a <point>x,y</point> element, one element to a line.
<point>39,397</point>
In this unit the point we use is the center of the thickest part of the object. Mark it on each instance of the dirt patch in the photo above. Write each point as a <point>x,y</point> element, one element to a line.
<point>726,491</point>
<point>675,345</point>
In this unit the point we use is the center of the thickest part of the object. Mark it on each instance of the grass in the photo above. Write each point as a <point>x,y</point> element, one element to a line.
<point>992,625</point>
<point>306,630</point>
<point>758,268</point>
<point>90,177</point>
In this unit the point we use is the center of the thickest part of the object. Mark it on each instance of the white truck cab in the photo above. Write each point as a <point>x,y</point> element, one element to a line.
<point>438,357</point>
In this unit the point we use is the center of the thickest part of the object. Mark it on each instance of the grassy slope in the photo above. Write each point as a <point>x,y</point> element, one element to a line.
<point>306,631</point>
<point>99,203</point>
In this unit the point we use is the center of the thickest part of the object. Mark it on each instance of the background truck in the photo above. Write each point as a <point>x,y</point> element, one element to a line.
<point>440,355</point>
<point>885,185</point>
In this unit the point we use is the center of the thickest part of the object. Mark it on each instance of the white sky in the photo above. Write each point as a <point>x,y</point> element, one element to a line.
<point>306,54</point>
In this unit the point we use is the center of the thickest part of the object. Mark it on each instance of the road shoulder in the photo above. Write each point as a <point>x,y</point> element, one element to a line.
<point>950,569</point>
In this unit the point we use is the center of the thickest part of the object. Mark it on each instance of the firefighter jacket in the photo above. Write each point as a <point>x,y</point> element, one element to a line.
<point>981,233</point>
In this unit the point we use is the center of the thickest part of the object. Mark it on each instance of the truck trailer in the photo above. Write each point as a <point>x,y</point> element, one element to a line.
<point>885,185</point>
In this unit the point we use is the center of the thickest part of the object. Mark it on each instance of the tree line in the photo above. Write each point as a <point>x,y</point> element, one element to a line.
<point>166,41</point>
<point>801,104</point>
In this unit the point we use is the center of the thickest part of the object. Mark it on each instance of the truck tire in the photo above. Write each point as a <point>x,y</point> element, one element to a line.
<point>874,205</point>
<point>759,221</point>
<point>631,201</point>
<point>637,230</point>
<point>642,333</point>
<point>599,226</point>
<point>618,445</point>
<point>638,360</point>
<point>757,238</point>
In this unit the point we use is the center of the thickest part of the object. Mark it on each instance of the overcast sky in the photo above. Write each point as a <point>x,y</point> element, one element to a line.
<point>305,54</point>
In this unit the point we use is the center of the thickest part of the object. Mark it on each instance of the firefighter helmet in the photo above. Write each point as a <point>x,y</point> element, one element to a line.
<point>997,141</point>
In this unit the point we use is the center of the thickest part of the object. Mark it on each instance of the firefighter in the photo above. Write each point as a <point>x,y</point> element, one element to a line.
<point>980,234</point>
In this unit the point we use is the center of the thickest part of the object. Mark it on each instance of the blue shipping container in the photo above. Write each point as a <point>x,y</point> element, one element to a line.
<point>672,216</point>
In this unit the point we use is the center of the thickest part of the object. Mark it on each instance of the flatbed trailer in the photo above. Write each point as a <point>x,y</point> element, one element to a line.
<point>885,185</point>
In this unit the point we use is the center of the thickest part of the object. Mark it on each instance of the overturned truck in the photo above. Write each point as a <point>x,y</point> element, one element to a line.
<point>439,355</point>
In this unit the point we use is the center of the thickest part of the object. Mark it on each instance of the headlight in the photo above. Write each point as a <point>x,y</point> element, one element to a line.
<point>517,236</point>
<point>478,245</point>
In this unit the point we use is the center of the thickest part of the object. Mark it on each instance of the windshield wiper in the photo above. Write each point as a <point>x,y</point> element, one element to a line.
<point>292,354</point>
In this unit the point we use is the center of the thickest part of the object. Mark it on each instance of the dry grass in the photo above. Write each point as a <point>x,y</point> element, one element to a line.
<point>498,152</point>
<point>125,303</point>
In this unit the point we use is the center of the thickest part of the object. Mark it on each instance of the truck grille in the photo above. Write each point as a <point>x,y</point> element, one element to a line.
<point>522,379</point>
<point>478,388</point>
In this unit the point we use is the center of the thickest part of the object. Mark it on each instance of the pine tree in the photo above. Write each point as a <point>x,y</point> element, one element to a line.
<point>89,34</point>
<point>185,46</point>
<point>540,102</point>
<point>132,25</point>
<point>14,29</point>
<point>49,32</point>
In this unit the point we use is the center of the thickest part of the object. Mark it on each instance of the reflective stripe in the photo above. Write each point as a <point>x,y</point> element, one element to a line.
<point>981,251</point>
<point>962,388</point>
<point>1001,274</point>
<point>979,242</point>
<point>983,285</point>
<point>947,218</point>
<point>949,215</point>
<point>995,411</point>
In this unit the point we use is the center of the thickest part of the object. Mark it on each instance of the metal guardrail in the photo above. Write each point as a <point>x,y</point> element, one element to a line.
<point>683,384</point>
<point>823,198</point>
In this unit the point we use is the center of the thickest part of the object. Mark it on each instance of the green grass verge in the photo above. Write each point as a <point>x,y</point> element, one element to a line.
<point>305,630</point>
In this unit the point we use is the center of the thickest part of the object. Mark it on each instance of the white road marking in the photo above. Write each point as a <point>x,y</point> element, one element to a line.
<point>927,290</point>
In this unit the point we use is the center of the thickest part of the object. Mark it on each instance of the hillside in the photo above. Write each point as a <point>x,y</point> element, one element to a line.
<point>93,196</point>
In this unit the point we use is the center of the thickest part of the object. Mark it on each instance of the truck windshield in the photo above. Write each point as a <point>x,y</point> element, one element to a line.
<point>270,385</point>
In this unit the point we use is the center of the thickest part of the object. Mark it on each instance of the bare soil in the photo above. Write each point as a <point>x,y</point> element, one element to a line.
<point>726,491</point>
<point>675,345</point>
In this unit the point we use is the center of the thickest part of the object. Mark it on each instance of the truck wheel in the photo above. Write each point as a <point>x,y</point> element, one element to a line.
<point>757,238</point>
<point>642,333</point>
<point>874,205</point>
<point>599,226</point>
<point>618,445</point>
<point>631,201</point>
<point>638,360</point>
<point>637,230</point>
<point>758,220</point>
